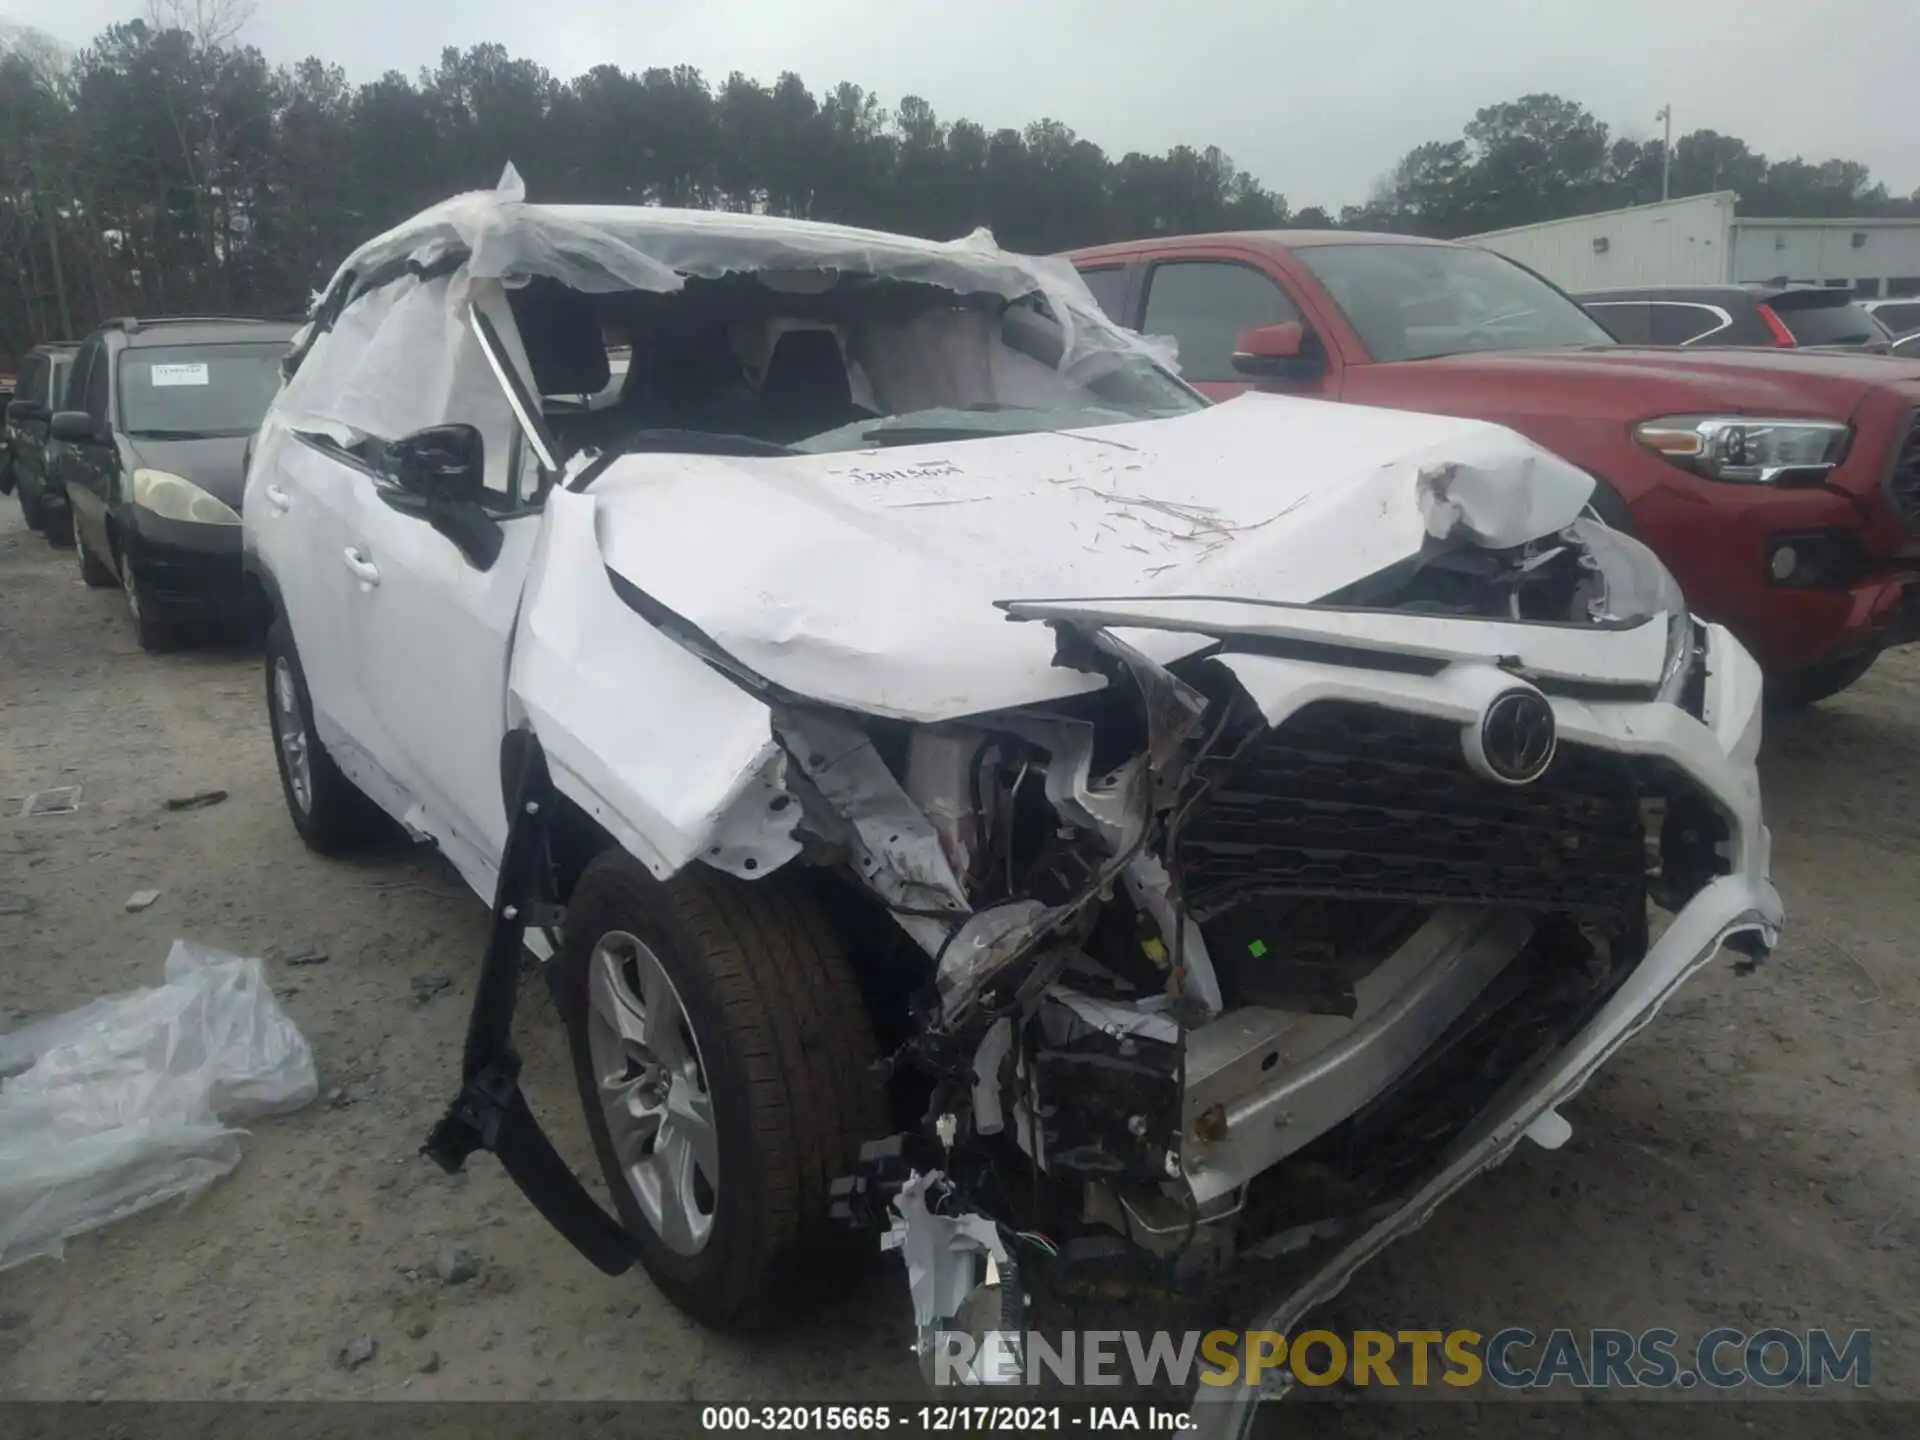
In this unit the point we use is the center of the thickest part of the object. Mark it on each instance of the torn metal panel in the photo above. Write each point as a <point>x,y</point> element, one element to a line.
<point>869,580</point>
<point>676,761</point>
<point>1498,501</point>
<point>896,850</point>
<point>946,1255</point>
<point>1151,1018</point>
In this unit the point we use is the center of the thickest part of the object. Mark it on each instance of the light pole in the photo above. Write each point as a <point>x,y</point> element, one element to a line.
<point>1665,112</point>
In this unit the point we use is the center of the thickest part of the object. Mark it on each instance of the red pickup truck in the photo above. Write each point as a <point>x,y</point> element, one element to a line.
<point>1782,488</point>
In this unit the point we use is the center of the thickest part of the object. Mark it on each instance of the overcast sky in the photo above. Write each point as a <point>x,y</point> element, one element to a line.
<point>1318,98</point>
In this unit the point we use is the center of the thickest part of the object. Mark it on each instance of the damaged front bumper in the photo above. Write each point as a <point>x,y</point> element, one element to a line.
<point>1738,912</point>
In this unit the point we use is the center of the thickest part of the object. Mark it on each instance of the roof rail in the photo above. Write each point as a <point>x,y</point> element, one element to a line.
<point>134,324</point>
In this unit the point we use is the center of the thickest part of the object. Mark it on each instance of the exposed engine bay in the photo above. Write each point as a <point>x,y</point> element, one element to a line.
<point>1196,989</point>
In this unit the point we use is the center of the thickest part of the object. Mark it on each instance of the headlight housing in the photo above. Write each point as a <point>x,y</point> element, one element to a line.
<point>1747,449</point>
<point>173,497</point>
<point>1634,584</point>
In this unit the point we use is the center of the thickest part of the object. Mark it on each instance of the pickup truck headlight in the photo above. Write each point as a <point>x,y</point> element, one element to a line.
<point>1746,448</point>
<point>173,497</point>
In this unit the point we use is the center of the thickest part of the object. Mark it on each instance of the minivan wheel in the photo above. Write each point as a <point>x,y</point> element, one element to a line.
<point>727,1068</point>
<point>92,569</point>
<point>155,631</point>
<point>328,810</point>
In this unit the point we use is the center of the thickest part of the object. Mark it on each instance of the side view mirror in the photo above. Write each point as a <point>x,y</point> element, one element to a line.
<point>20,411</point>
<point>1286,351</point>
<point>73,426</point>
<point>442,462</point>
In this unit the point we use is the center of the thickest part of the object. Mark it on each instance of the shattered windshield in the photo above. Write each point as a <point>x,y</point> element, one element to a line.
<point>842,363</point>
<point>1415,302</point>
<point>197,390</point>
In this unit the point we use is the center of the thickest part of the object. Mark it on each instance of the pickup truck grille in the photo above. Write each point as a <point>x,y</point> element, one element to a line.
<point>1358,802</point>
<point>1903,485</point>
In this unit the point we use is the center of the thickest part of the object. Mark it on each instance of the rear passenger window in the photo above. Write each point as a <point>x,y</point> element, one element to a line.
<point>33,381</point>
<point>1899,318</point>
<point>1109,287</point>
<point>1204,305</point>
<point>1678,324</point>
<point>1625,320</point>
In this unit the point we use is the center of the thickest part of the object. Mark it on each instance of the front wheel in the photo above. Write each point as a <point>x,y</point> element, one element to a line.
<point>727,1067</point>
<point>152,627</point>
<point>1801,688</point>
<point>92,569</point>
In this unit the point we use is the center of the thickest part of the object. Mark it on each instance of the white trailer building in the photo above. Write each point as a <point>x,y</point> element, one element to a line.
<point>1702,241</point>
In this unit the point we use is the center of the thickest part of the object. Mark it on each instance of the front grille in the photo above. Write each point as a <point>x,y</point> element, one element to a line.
<point>1903,485</point>
<point>1356,802</point>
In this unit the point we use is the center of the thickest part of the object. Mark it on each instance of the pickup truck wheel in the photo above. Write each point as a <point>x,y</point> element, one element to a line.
<point>726,1065</point>
<point>1801,688</point>
<point>92,569</point>
<point>329,811</point>
<point>1611,508</point>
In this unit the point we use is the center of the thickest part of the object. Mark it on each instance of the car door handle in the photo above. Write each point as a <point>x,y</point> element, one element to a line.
<point>278,498</point>
<point>360,565</point>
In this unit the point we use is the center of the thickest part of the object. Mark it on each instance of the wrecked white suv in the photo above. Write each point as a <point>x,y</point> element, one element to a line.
<point>970,788</point>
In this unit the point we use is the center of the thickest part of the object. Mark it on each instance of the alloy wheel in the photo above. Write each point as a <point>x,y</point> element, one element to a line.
<point>653,1091</point>
<point>290,730</point>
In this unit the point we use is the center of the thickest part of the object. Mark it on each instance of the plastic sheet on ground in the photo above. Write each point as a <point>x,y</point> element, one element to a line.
<point>133,1100</point>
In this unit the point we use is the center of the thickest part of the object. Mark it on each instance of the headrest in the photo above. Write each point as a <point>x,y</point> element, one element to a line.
<point>560,329</point>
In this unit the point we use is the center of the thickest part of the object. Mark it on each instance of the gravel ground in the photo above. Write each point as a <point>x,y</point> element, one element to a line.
<point>1748,1160</point>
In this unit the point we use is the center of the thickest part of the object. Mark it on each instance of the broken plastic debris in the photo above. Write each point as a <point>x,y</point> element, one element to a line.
<point>196,802</point>
<point>140,900</point>
<point>60,800</point>
<point>943,1252</point>
<point>131,1100</point>
<point>1549,1130</point>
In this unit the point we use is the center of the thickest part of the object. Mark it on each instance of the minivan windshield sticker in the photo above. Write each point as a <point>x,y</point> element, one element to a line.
<point>195,374</point>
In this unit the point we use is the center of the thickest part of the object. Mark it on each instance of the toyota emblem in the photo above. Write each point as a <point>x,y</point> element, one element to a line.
<point>1516,738</point>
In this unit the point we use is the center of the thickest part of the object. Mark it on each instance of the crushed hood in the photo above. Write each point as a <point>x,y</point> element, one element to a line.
<point>868,579</point>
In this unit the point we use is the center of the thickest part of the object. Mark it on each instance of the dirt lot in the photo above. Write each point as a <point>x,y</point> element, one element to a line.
<point>1749,1160</point>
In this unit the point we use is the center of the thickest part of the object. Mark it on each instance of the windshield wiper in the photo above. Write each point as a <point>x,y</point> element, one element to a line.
<point>182,434</point>
<point>697,442</point>
<point>678,442</point>
<point>931,434</point>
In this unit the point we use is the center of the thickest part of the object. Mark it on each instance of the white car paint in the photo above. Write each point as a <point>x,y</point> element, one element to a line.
<point>911,583</point>
<point>871,579</point>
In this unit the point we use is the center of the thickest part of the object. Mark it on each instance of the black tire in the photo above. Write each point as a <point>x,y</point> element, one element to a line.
<point>337,816</point>
<point>1801,688</point>
<point>152,626</point>
<point>92,569</point>
<point>59,531</point>
<point>789,1057</point>
<point>30,510</point>
<point>1608,504</point>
